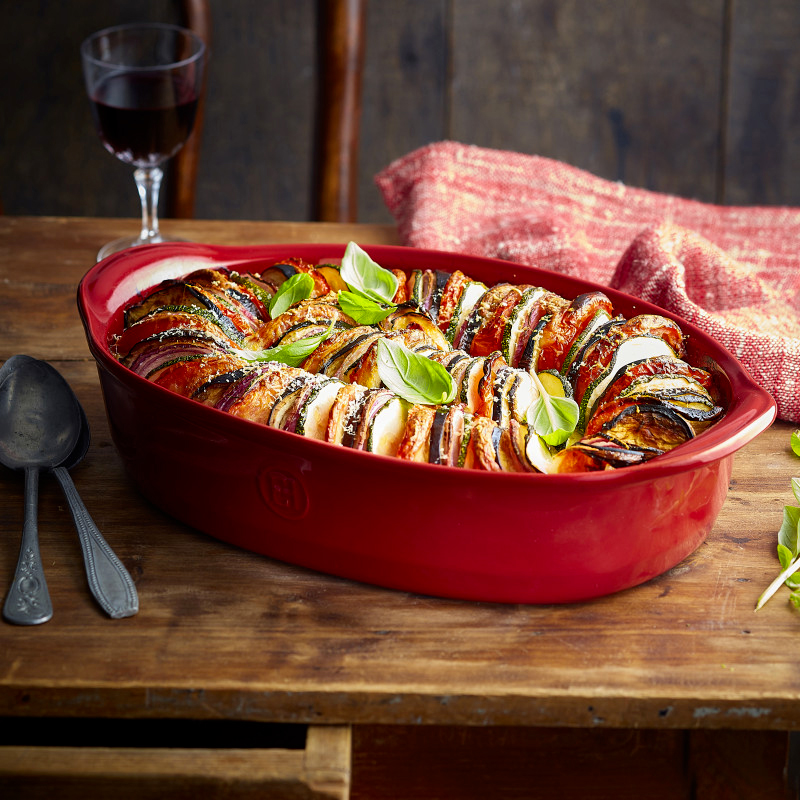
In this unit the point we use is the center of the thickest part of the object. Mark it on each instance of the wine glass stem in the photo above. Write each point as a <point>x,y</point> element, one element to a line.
<point>148,182</point>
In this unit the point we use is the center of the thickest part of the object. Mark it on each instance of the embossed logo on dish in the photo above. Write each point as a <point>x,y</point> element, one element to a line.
<point>284,493</point>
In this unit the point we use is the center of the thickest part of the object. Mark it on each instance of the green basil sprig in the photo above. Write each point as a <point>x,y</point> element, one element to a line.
<point>363,310</point>
<point>291,291</point>
<point>413,377</point>
<point>293,353</point>
<point>553,418</point>
<point>366,278</point>
<point>788,553</point>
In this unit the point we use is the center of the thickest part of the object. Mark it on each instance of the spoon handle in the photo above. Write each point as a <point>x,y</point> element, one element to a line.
<point>28,601</point>
<point>109,581</point>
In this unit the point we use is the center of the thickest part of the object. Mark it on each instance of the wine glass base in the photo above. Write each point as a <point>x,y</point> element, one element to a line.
<point>126,242</point>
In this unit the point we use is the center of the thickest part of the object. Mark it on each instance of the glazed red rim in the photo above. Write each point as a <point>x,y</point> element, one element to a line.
<point>111,283</point>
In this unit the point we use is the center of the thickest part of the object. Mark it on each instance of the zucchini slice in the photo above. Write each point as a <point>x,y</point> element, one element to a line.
<point>630,350</point>
<point>344,407</point>
<point>315,411</point>
<point>286,408</point>
<point>519,323</point>
<point>327,357</point>
<point>387,428</point>
<point>406,317</point>
<point>357,433</point>
<point>470,295</point>
<point>536,451</point>
<point>600,318</point>
<point>530,354</point>
<point>447,439</point>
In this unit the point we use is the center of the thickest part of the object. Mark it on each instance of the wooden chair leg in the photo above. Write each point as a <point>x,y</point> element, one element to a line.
<point>183,173</point>
<point>341,52</point>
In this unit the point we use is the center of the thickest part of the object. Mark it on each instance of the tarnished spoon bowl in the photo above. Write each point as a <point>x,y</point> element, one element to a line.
<point>40,423</point>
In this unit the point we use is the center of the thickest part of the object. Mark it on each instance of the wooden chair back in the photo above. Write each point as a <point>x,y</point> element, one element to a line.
<point>340,42</point>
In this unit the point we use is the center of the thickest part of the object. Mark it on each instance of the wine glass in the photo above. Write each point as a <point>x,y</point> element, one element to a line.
<point>144,81</point>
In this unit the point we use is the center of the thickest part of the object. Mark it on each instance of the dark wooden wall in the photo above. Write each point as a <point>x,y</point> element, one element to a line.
<point>695,97</point>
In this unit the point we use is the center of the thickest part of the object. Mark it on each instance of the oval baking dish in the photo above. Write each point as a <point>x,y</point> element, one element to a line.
<point>412,526</point>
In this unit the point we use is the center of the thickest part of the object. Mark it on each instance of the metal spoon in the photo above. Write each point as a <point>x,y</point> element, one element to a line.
<point>39,426</point>
<point>109,581</point>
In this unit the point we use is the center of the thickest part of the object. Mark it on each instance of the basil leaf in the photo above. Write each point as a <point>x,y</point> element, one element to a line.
<point>365,277</point>
<point>363,310</point>
<point>793,581</point>
<point>784,555</point>
<point>294,353</point>
<point>789,535</point>
<point>788,553</point>
<point>795,442</point>
<point>553,418</point>
<point>413,377</point>
<point>291,291</point>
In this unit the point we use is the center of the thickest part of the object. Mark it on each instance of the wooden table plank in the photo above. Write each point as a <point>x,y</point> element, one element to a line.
<point>226,633</point>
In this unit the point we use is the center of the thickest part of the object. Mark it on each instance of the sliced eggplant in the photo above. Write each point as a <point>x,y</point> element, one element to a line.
<point>529,357</point>
<point>440,279</point>
<point>169,320</point>
<point>482,313</point>
<point>276,275</point>
<point>648,427</point>
<point>520,323</point>
<point>600,318</point>
<point>349,363</point>
<point>451,294</point>
<point>471,294</point>
<point>491,334</point>
<point>286,412</point>
<point>407,317</point>
<point>533,448</point>
<point>260,293</point>
<point>211,391</point>
<point>357,432</point>
<point>328,356</point>
<point>438,452</point>
<point>630,350</point>
<point>318,310</point>
<point>600,452</point>
<point>505,382</point>
<point>170,294</point>
<point>566,326</point>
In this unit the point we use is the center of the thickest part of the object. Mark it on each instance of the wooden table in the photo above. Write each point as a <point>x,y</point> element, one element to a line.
<point>676,688</point>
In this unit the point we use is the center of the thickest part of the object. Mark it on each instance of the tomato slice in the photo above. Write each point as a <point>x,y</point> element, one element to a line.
<point>566,325</point>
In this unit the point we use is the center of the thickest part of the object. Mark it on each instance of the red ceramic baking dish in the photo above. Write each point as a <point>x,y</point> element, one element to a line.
<point>519,538</point>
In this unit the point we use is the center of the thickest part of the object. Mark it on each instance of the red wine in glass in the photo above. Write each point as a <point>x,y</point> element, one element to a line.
<point>144,118</point>
<point>144,81</point>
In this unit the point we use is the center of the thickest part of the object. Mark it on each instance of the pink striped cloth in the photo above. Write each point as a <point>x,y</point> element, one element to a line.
<point>732,271</point>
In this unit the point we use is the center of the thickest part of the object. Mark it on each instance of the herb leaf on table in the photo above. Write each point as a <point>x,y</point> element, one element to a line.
<point>788,553</point>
